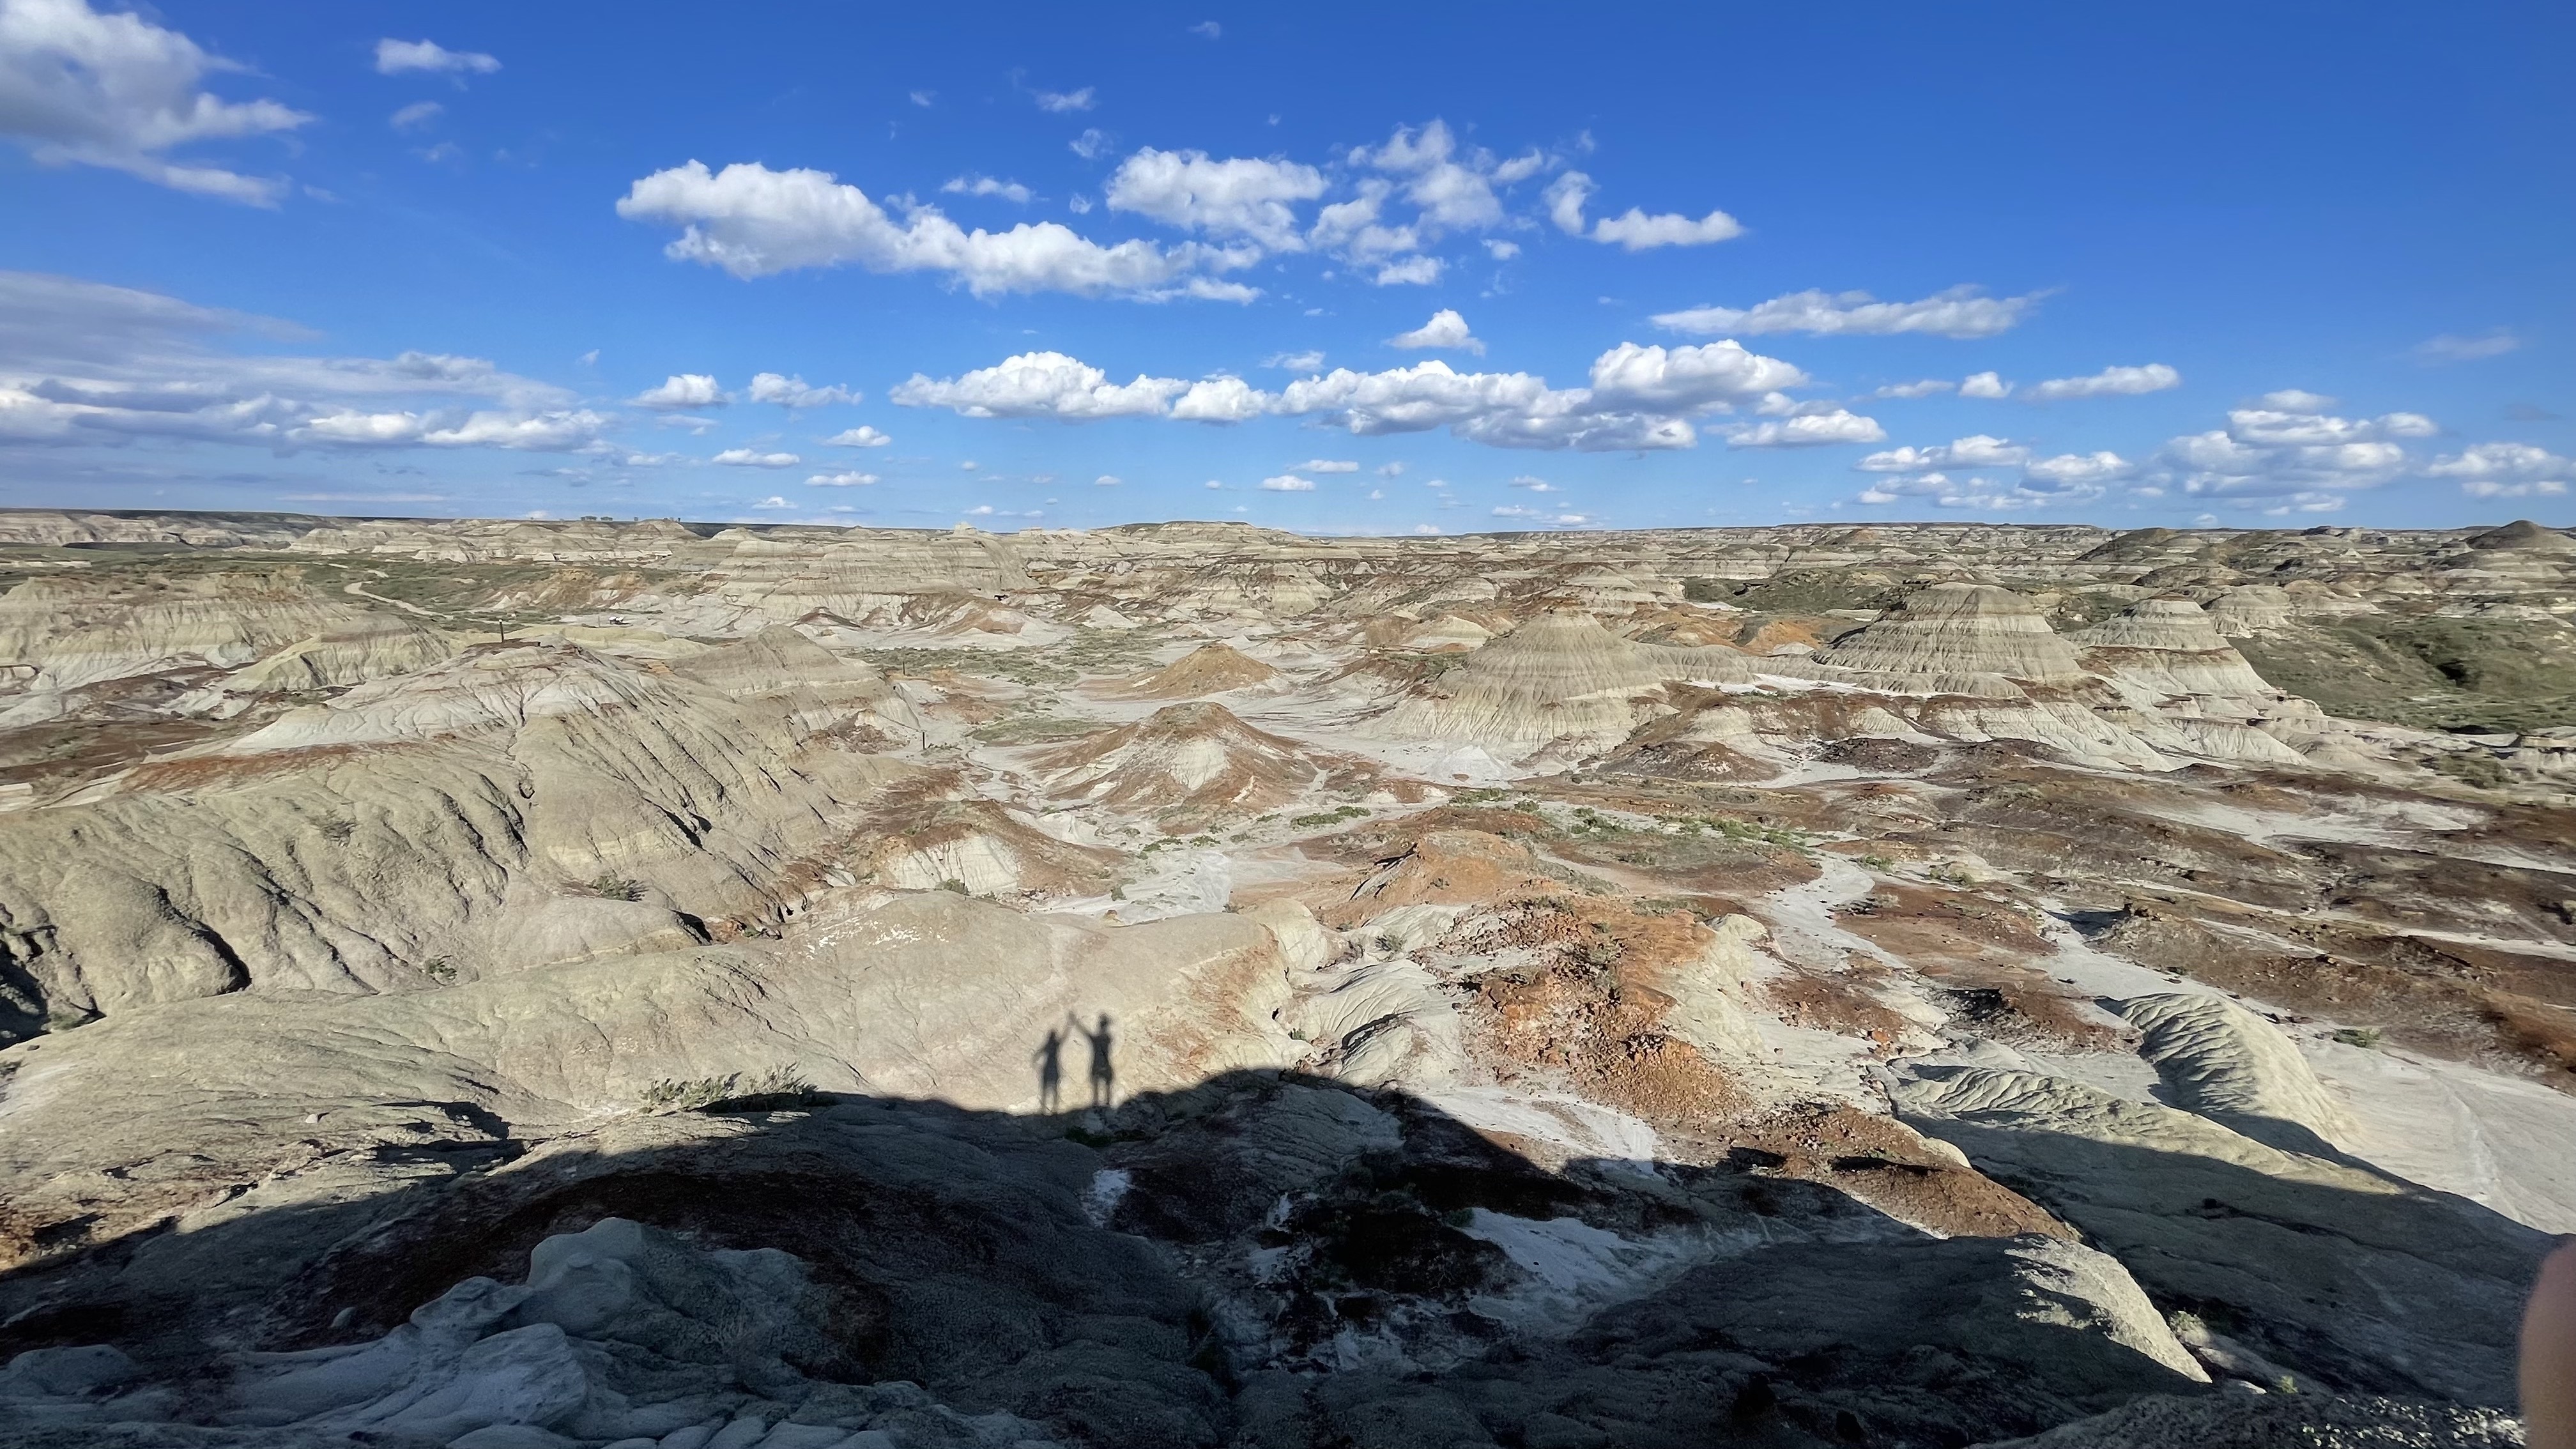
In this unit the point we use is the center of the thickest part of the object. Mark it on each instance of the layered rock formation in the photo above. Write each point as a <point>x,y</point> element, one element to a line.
<point>499,984</point>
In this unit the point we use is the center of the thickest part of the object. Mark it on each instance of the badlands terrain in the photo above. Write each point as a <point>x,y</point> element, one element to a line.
<point>506,984</point>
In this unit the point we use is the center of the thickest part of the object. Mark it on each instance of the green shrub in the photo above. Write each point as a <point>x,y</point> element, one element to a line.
<point>615,887</point>
<point>773,1089</point>
<point>1330,817</point>
<point>2359,1036</point>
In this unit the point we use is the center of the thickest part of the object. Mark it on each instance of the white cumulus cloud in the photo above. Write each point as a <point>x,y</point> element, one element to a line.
<point>792,392</point>
<point>2078,468</point>
<point>1446,329</point>
<point>1809,430</point>
<point>1419,271</point>
<point>1637,231</point>
<point>1237,197</point>
<point>1288,483</point>
<point>393,57</point>
<point>1640,398</point>
<point>1061,102</point>
<point>979,185</point>
<point>1978,450</point>
<point>846,478</point>
<point>1984,385</point>
<point>862,436</point>
<point>756,222</point>
<point>1957,312</point>
<point>1040,385</point>
<point>81,88</point>
<point>2292,453</point>
<point>1566,197</point>
<point>1221,400</point>
<point>1308,361</point>
<point>755,458</point>
<point>2506,470</point>
<point>1629,375</point>
<point>1327,465</point>
<point>683,390</point>
<point>2109,382</point>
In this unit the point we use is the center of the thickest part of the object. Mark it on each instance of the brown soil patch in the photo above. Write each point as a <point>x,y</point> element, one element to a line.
<point>1927,927</point>
<point>1842,1005</point>
<point>1884,1164</point>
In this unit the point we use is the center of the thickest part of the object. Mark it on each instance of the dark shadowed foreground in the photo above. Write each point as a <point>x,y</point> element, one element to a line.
<point>1262,1260</point>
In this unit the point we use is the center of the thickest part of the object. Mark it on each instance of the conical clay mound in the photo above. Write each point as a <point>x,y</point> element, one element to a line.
<point>1191,762</point>
<point>1209,669</point>
<point>1562,674</point>
<point>1953,629</point>
<point>2169,646</point>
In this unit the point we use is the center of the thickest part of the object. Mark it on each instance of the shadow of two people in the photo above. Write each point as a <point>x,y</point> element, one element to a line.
<point>1050,1063</point>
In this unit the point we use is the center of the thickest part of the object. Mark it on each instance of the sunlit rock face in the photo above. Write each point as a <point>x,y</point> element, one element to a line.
<point>495,983</point>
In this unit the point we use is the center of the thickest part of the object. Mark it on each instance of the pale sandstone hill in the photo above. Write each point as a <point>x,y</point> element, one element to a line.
<point>2172,654</point>
<point>2415,1291</point>
<point>985,848</point>
<point>1192,764</point>
<point>1562,675</point>
<point>374,647</point>
<point>2523,535</point>
<point>76,631</point>
<point>1959,630</point>
<point>926,994</point>
<point>1448,633</point>
<point>1217,668</point>
<point>508,806</point>
<point>823,689</point>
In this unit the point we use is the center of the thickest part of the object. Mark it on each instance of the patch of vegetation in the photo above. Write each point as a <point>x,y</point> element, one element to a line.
<point>615,887</point>
<point>1107,651</point>
<point>957,886</point>
<point>2503,675</point>
<point>1022,666</point>
<point>1432,666</point>
<point>2084,609</point>
<point>1726,826</point>
<point>2474,767</point>
<point>439,969</point>
<point>337,829</point>
<point>776,1088</point>
<point>1877,862</point>
<point>1039,729</point>
<point>1801,591</point>
<point>2359,1036</point>
<point>1334,816</point>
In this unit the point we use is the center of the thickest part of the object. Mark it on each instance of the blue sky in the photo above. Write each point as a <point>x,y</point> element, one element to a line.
<point>1362,268</point>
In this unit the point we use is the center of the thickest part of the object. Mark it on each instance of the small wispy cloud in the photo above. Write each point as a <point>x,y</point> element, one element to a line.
<point>2448,348</point>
